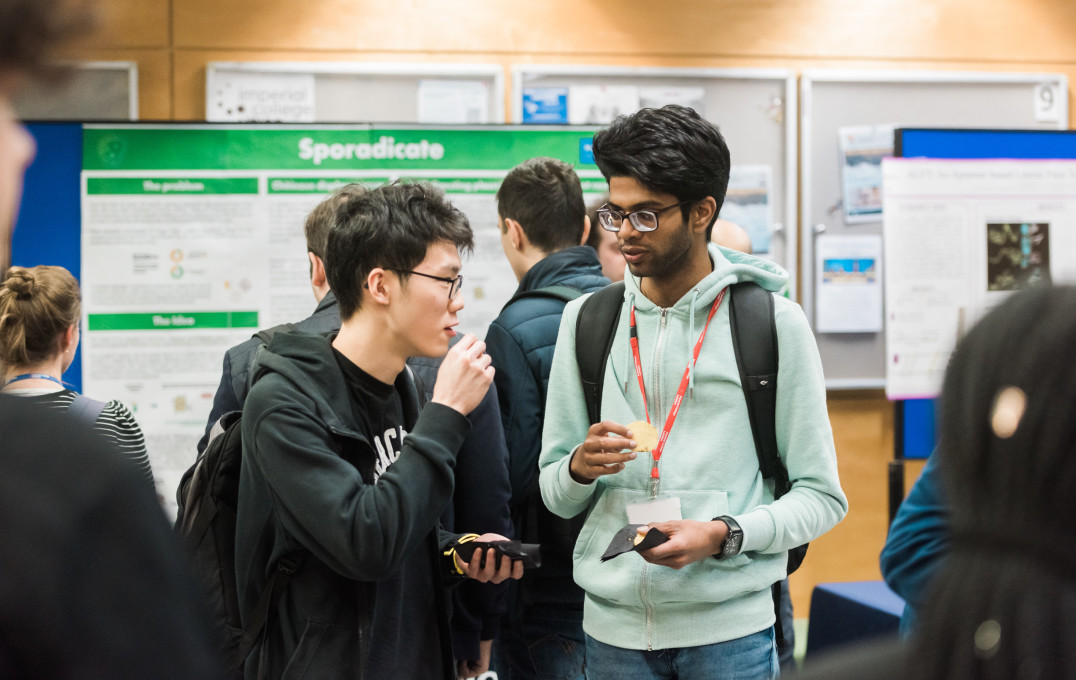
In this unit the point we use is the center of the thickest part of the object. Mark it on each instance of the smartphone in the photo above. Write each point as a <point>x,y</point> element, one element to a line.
<point>529,553</point>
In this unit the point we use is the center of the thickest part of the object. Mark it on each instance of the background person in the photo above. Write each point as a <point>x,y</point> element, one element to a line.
<point>543,223</point>
<point>40,309</point>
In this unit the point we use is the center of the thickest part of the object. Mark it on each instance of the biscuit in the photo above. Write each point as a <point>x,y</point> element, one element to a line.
<point>644,434</point>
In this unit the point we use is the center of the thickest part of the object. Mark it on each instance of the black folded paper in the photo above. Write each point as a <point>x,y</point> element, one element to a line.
<point>624,541</point>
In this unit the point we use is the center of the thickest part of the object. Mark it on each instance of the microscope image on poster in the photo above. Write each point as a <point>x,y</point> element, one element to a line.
<point>1018,255</point>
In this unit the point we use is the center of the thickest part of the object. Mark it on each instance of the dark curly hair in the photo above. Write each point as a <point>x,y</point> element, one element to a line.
<point>671,150</point>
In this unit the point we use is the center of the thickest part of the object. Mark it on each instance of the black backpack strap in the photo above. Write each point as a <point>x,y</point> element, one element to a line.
<point>594,331</point>
<point>558,292</point>
<point>754,339</point>
<point>266,334</point>
<point>85,409</point>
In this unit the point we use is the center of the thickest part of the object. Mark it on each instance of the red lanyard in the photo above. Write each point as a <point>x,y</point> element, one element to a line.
<point>634,340</point>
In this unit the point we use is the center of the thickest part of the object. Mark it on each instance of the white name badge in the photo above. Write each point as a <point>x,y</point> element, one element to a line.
<point>662,509</point>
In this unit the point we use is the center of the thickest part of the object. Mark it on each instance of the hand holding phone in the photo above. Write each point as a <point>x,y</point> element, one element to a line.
<point>528,553</point>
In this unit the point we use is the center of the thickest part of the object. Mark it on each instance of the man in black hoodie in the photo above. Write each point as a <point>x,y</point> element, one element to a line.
<point>341,471</point>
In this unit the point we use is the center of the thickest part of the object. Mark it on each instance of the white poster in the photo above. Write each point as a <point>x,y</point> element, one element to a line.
<point>862,149</point>
<point>262,98</point>
<point>453,101</point>
<point>749,203</point>
<point>600,104</point>
<point>848,283</point>
<point>959,237</point>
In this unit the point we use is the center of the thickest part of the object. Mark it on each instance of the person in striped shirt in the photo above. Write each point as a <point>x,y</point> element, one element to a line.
<point>40,309</point>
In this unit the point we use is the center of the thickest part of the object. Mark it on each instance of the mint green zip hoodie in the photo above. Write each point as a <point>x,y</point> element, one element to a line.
<point>709,463</point>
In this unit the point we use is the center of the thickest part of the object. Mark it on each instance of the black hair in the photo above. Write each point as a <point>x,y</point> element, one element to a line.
<point>390,227</point>
<point>672,150</point>
<point>1004,603</point>
<point>545,197</point>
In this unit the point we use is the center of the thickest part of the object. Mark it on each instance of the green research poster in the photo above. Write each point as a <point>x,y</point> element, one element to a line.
<point>192,239</point>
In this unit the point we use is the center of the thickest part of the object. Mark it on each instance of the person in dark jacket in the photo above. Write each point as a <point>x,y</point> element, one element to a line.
<point>93,583</point>
<point>544,224</point>
<point>475,608</point>
<point>342,471</point>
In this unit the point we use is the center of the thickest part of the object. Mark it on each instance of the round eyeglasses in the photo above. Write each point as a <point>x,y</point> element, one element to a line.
<point>455,284</point>
<point>611,219</point>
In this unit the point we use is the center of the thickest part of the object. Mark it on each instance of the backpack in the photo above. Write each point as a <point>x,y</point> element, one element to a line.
<point>754,340</point>
<point>208,496</point>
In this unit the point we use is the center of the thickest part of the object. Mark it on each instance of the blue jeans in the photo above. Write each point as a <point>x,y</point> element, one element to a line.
<point>546,644</point>
<point>753,657</point>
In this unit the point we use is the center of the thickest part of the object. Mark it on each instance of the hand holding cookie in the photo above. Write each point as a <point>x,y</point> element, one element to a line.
<point>603,451</point>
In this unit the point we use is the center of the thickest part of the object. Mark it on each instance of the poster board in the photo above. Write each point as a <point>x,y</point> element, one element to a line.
<point>832,100</point>
<point>754,108</point>
<point>915,417</point>
<point>346,92</point>
<point>94,91</point>
<point>190,239</point>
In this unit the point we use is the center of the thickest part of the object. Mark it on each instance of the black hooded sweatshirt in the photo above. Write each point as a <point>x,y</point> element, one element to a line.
<point>328,475</point>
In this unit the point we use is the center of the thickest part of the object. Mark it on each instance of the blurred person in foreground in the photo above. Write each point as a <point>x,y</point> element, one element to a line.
<point>92,582</point>
<point>1003,604</point>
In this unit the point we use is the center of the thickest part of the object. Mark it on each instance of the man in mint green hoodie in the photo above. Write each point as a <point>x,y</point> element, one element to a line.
<point>699,605</point>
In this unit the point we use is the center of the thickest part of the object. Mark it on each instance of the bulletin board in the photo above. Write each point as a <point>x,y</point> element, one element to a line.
<point>833,101</point>
<point>93,91</point>
<point>754,108</point>
<point>332,92</point>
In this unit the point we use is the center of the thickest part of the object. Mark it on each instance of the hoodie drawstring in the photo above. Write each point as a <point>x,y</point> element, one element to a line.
<point>690,342</point>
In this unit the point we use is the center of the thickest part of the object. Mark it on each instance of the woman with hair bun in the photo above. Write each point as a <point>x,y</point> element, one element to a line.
<point>40,309</point>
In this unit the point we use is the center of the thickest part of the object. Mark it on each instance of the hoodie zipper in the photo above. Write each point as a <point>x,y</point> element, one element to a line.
<point>659,348</point>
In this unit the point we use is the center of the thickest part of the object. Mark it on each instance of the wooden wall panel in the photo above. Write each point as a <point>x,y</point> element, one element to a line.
<point>989,30</point>
<point>132,24</point>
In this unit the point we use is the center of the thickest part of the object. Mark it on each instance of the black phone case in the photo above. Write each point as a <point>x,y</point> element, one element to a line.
<point>529,553</point>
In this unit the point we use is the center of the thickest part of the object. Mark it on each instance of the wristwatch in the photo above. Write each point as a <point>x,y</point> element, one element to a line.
<point>733,540</point>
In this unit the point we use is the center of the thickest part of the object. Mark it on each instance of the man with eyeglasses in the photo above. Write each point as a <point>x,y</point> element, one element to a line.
<point>342,471</point>
<point>482,463</point>
<point>698,605</point>
<point>543,223</point>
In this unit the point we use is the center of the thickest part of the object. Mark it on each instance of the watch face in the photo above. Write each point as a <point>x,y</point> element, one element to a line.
<point>732,544</point>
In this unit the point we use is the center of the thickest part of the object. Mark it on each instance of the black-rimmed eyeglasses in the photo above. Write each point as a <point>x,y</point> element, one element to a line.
<point>455,284</point>
<point>611,219</point>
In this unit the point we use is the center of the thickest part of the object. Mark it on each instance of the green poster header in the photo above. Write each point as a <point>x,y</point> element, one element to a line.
<point>318,185</point>
<point>172,321</point>
<point>329,148</point>
<point>171,186</point>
